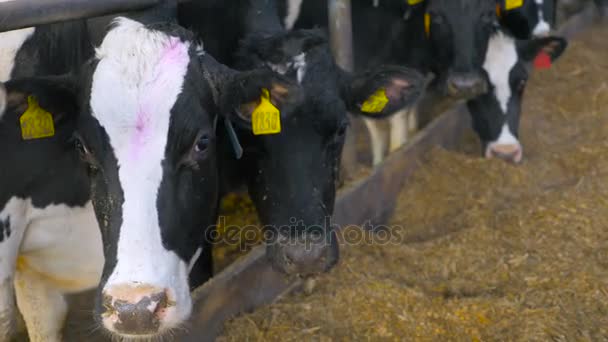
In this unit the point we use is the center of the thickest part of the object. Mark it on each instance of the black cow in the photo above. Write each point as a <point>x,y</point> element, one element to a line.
<point>142,114</point>
<point>291,176</point>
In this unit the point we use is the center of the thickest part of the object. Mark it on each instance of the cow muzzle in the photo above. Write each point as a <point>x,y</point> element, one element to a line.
<point>466,86</point>
<point>305,255</point>
<point>136,309</point>
<point>512,153</point>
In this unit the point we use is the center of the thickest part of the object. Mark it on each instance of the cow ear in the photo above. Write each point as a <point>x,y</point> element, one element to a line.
<point>56,95</point>
<point>545,50</point>
<point>245,92</point>
<point>384,91</point>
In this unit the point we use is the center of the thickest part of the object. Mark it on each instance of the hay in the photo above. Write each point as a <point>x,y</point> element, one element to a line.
<point>487,251</point>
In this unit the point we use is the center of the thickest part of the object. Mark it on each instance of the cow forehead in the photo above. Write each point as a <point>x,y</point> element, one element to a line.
<point>501,57</point>
<point>135,85</point>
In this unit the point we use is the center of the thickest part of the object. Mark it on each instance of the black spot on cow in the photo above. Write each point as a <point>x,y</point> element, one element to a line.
<point>5,229</point>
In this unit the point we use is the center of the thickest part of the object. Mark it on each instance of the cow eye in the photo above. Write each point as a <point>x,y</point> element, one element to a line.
<point>202,144</point>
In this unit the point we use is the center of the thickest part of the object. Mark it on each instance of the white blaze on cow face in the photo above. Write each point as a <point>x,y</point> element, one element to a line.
<point>542,27</point>
<point>500,60</point>
<point>135,85</point>
<point>10,44</point>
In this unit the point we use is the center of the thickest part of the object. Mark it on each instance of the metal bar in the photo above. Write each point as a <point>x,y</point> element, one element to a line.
<point>16,14</point>
<point>340,30</point>
<point>341,37</point>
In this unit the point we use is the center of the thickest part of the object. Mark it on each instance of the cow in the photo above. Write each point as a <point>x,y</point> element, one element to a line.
<point>119,156</point>
<point>292,176</point>
<point>496,114</point>
<point>47,228</point>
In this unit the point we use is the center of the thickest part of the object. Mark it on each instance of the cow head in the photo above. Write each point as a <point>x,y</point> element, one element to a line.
<point>143,121</point>
<point>458,31</point>
<point>496,114</point>
<point>292,174</point>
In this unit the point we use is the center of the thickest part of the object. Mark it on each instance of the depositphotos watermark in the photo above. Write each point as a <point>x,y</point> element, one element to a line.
<point>297,233</point>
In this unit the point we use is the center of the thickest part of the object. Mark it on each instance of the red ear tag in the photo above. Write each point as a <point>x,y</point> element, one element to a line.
<point>542,61</point>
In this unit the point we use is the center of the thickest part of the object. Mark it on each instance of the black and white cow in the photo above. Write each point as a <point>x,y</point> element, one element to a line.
<point>142,114</point>
<point>47,221</point>
<point>292,176</point>
<point>496,114</point>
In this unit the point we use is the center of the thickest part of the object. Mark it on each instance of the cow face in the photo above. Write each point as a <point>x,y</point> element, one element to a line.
<point>496,114</point>
<point>142,116</point>
<point>292,175</point>
<point>148,138</point>
<point>459,31</point>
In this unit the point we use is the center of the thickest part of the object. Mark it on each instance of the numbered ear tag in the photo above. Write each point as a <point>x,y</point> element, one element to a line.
<point>513,4</point>
<point>266,118</point>
<point>36,123</point>
<point>414,2</point>
<point>427,24</point>
<point>376,103</point>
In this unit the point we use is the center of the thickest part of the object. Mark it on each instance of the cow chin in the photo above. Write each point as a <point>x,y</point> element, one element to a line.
<point>7,310</point>
<point>146,308</point>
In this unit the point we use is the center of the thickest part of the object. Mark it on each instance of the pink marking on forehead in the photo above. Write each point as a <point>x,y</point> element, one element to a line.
<point>172,61</point>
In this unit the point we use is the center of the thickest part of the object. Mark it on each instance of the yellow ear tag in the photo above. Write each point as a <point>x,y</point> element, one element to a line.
<point>427,24</point>
<point>36,123</point>
<point>414,2</point>
<point>513,4</point>
<point>376,103</point>
<point>266,118</point>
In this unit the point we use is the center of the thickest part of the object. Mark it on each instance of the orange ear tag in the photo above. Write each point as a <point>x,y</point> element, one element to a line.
<point>498,11</point>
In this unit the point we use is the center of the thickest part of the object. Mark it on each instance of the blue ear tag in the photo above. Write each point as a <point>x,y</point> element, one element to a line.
<point>234,139</point>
